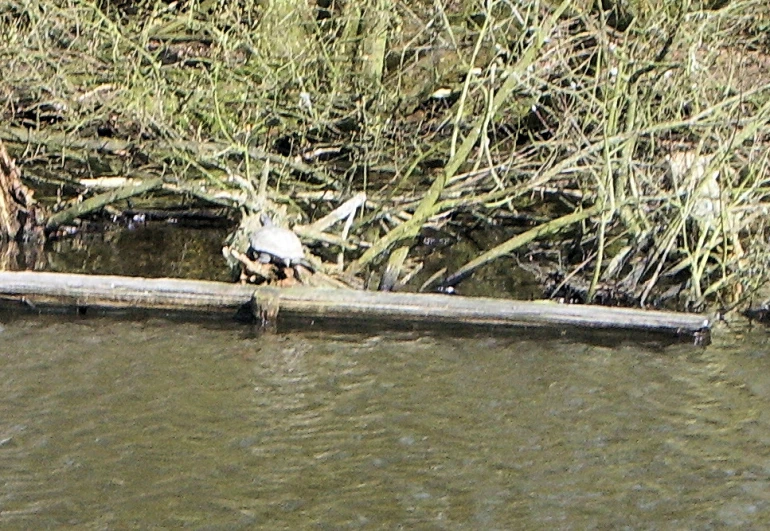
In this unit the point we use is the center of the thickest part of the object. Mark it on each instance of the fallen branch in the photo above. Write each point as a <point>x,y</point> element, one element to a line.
<point>98,201</point>
<point>60,141</point>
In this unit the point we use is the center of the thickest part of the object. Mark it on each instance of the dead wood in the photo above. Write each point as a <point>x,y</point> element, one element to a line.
<point>379,308</point>
<point>99,201</point>
<point>16,200</point>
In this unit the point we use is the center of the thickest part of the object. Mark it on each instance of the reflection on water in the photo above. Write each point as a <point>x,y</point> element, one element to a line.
<point>113,424</point>
<point>146,249</point>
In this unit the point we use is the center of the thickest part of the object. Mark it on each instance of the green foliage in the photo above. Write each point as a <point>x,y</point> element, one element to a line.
<point>599,109</point>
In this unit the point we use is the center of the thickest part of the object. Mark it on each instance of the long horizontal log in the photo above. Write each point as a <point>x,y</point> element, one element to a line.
<point>381,307</point>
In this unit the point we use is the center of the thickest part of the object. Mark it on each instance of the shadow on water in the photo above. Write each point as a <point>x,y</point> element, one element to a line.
<point>459,331</point>
<point>152,249</point>
<point>292,323</point>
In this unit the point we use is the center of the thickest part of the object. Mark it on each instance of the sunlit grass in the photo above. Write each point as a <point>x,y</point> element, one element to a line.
<point>594,119</point>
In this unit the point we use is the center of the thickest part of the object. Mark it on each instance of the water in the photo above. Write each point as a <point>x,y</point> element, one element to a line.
<point>142,423</point>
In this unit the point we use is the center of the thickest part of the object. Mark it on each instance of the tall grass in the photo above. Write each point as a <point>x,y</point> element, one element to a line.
<point>655,113</point>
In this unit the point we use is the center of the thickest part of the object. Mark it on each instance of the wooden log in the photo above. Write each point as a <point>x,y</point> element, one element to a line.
<point>429,307</point>
<point>103,291</point>
<point>379,307</point>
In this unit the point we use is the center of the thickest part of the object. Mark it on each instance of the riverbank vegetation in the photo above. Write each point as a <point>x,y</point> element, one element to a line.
<point>622,146</point>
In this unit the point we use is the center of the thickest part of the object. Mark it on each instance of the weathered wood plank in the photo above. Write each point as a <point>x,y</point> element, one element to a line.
<point>178,294</point>
<point>121,292</point>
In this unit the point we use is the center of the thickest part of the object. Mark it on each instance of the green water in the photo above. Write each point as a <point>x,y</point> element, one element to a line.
<point>115,424</point>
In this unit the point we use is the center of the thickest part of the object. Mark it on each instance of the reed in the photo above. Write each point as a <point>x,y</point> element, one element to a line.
<point>651,116</point>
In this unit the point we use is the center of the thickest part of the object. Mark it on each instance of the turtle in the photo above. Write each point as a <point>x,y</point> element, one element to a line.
<point>273,244</point>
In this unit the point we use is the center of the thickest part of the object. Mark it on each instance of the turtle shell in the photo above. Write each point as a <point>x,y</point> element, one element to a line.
<point>279,243</point>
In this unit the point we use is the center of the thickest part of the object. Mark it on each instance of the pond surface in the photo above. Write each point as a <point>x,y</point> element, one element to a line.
<point>154,423</point>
